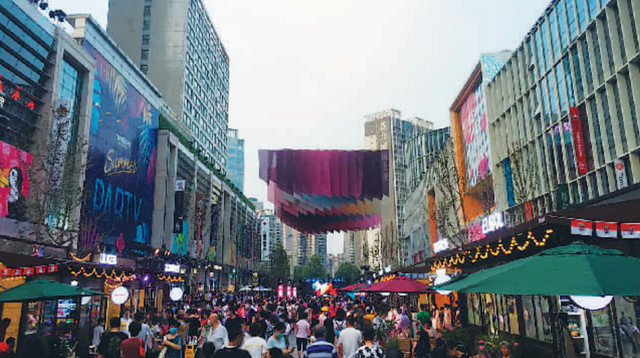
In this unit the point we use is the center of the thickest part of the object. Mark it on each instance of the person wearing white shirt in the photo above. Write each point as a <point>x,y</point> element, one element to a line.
<point>255,345</point>
<point>350,340</point>
<point>217,334</point>
<point>98,330</point>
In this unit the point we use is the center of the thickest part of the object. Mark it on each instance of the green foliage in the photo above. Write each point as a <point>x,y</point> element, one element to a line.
<point>313,269</point>
<point>458,335</point>
<point>348,272</point>
<point>279,265</point>
<point>489,346</point>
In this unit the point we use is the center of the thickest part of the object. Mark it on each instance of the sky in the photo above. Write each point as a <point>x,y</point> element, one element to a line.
<point>303,74</point>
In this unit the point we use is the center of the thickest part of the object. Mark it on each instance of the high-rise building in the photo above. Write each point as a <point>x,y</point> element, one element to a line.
<point>386,130</point>
<point>303,258</point>
<point>235,159</point>
<point>317,245</point>
<point>420,151</point>
<point>175,43</point>
<point>563,112</point>
<point>352,248</point>
<point>270,234</point>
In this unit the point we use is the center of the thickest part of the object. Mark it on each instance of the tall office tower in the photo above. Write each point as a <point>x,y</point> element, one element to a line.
<point>420,151</point>
<point>270,233</point>
<point>235,158</point>
<point>175,43</point>
<point>303,257</point>
<point>317,245</point>
<point>387,130</point>
<point>352,248</point>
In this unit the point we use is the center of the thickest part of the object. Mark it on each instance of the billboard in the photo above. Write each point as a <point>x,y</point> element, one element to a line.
<point>122,154</point>
<point>14,181</point>
<point>473,122</point>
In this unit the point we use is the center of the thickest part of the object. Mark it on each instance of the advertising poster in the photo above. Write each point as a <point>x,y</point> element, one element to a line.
<point>14,181</point>
<point>122,154</point>
<point>473,121</point>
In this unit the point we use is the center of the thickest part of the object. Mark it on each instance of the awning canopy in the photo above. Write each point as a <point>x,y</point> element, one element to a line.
<point>318,191</point>
<point>576,269</point>
<point>42,289</point>
<point>398,284</point>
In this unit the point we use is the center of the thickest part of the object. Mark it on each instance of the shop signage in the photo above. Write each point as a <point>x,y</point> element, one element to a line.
<point>176,294</point>
<point>492,222</point>
<point>621,174</point>
<point>563,196</point>
<point>108,259</point>
<point>119,295</point>
<point>578,140</point>
<point>441,245</point>
<point>173,268</point>
<point>28,271</point>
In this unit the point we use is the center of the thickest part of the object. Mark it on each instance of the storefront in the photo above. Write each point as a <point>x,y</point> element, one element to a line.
<point>552,326</point>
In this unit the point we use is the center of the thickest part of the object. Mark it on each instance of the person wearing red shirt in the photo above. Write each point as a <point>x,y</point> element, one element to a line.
<point>133,347</point>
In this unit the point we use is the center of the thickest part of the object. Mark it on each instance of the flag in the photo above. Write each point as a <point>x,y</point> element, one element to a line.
<point>581,227</point>
<point>630,231</point>
<point>606,229</point>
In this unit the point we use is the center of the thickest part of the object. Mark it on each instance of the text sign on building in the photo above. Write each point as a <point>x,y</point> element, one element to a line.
<point>578,140</point>
<point>173,268</point>
<point>621,174</point>
<point>108,259</point>
<point>492,222</point>
<point>181,184</point>
<point>441,245</point>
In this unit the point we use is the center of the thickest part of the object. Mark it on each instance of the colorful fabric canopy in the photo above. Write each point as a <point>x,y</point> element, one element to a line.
<point>317,191</point>
<point>398,284</point>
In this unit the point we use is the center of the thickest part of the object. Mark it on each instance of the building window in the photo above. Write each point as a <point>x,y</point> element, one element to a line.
<point>587,64</point>
<point>616,18</point>
<point>145,55</point>
<point>147,10</point>
<point>596,130</point>
<point>566,62</point>
<point>555,38</point>
<point>607,42</point>
<point>632,104</point>
<point>582,14</point>
<point>593,8</point>
<point>562,24</point>
<point>623,136</point>
<point>578,73</point>
<point>634,31</point>
<point>607,123</point>
<point>146,24</point>
<point>596,52</point>
<point>571,19</point>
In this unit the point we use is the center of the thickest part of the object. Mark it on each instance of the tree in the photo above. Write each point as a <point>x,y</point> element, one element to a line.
<point>314,269</point>
<point>522,166</point>
<point>348,272</point>
<point>280,269</point>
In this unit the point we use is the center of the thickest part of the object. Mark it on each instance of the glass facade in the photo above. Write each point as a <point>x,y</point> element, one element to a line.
<point>420,151</point>
<point>24,49</point>
<point>235,161</point>
<point>581,56</point>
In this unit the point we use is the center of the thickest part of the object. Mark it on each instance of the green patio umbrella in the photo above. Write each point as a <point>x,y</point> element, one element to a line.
<point>575,269</point>
<point>42,289</point>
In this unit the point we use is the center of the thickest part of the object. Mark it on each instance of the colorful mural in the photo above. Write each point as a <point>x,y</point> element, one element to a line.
<point>122,155</point>
<point>473,120</point>
<point>14,181</point>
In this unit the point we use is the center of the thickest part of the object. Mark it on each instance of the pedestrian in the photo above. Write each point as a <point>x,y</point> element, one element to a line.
<point>320,348</point>
<point>11,346</point>
<point>255,345</point>
<point>350,339</point>
<point>277,339</point>
<point>4,324</point>
<point>423,316</point>
<point>173,341</point>
<point>339,322</point>
<point>133,347</point>
<point>98,330</point>
<point>208,350</point>
<point>125,321</point>
<point>303,331</point>
<point>146,334</point>
<point>215,332</point>
<point>423,346</point>
<point>233,350</point>
<point>369,349</point>
<point>111,342</point>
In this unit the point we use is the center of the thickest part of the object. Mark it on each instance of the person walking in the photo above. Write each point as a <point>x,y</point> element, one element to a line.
<point>215,332</point>
<point>133,347</point>
<point>303,331</point>
<point>320,348</point>
<point>233,350</point>
<point>98,330</point>
<point>255,345</point>
<point>277,339</point>
<point>350,340</point>
<point>173,341</point>
<point>369,349</point>
<point>111,342</point>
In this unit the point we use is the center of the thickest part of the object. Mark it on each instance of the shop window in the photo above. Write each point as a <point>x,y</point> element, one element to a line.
<point>529,317</point>
<point>602,335</point>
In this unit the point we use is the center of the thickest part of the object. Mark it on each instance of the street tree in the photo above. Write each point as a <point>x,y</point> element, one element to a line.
<point>348,272</point>
<point>280,270</point>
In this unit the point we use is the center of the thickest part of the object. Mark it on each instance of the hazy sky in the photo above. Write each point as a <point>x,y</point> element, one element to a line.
<point>304,73</point>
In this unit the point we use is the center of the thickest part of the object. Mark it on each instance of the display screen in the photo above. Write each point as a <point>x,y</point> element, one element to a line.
<point>66,308</point>
<point>473,122</point>
<point>14,181</point>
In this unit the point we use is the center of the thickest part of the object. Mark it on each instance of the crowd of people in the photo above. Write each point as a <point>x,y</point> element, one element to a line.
<point>258,327</point>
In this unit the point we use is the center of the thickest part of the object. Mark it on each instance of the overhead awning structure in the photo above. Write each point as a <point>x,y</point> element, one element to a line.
<point>317,191</point>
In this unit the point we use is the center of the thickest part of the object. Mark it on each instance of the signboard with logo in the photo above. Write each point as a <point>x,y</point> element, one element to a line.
<point>492,222</point>
<point>108,259</point>
<point>119,295</point>
<point>621,174</point>
<point>172,268</point>
<point>441,245</point>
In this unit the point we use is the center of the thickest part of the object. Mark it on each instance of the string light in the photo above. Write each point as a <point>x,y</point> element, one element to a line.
<point>112,276</point>
<point>484,252</point>
<point>170,278</point>
<point>76,258</point>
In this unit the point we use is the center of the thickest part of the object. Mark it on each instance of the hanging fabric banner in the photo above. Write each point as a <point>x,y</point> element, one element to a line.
<point>606,229</point>
<point>630,230</point>
<point>581,227</point>
<point>578,140</point>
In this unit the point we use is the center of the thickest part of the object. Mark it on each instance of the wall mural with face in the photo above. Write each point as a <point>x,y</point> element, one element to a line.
<point>14,181</point>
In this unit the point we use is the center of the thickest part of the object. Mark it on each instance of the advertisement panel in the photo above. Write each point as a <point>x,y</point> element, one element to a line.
<point>578,140</point>
<point>14,181</point>
<point>473,122</point>
<point>122,154</point>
